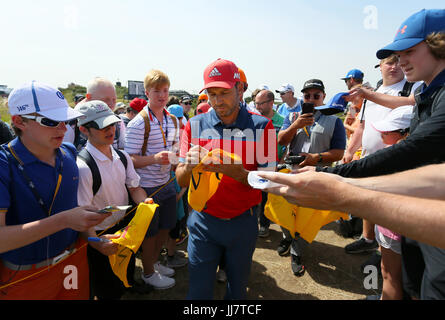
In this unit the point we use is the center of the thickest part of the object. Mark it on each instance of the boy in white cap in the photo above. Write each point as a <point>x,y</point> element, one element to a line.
<point>116,173</point>
<point>39,217</point>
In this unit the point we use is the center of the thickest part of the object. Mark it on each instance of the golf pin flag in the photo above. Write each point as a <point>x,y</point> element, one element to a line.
<point>306,221</point>
<point>203,184</point>
<point>130,239</point>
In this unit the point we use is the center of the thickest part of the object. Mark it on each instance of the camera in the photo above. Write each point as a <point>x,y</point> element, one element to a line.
<point>292,160</point>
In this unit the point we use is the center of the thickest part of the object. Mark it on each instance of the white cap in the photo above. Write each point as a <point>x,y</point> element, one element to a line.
<point>398,119</point>
<point>40,98</point>
<point>285,88</point>
<point>97,111</point>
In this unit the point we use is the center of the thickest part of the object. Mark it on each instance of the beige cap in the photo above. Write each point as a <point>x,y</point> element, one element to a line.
<point>97,111</point>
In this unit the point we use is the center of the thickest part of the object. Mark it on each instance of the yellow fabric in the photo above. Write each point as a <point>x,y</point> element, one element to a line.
<point>306,221</point>
<point>130,240</point>
<point>203,184</point>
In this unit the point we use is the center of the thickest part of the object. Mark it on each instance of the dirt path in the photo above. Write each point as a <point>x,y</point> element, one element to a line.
<point>331,274</point>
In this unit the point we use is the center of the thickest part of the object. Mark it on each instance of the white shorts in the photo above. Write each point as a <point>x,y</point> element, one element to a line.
<point>387,242</point>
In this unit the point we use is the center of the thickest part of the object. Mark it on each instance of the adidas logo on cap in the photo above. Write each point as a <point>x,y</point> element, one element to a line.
<point>214,73</point>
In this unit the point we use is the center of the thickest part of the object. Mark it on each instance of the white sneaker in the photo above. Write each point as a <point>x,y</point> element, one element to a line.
<point>163,270</point>
<point>158,281</point>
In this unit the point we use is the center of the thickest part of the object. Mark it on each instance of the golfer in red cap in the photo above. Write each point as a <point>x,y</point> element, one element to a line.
<point>227,227</point>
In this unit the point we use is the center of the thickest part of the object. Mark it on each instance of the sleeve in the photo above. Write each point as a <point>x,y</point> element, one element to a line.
<point>85,189</point>
<point>286,121</point>
<point>338,140</point>
<point>132,179</point>
<point>423,146</point>
<point>5,179</point>
<point>185,142</point>
<point>134,136</point>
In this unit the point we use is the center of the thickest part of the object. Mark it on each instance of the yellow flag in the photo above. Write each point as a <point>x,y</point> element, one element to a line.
<point>203,184</point>
<point>306,221</point>
<point>130,239</point>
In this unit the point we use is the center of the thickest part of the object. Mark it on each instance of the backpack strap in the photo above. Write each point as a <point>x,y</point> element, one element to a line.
<point>88,159</point>
<point>144,115</point>
<point>406,91</point>
<point>91,163</point>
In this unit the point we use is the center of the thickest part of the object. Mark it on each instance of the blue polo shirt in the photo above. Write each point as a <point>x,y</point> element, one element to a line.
<point>19,204</point>
<point>252,137</point>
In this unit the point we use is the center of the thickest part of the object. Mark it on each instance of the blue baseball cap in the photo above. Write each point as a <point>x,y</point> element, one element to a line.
<point>176,110</point>
<point>335,105</point>
<point>354,73</point>
<point>414,30</point>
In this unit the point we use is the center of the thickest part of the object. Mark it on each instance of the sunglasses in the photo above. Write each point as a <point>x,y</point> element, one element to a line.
<point>187,103</point>
<point>44,121</point>
<point>316,96</point>
<point>283,93</point>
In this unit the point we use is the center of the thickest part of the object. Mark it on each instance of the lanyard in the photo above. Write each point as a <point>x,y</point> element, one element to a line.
<point>164,135</point>
<point>31,185</point>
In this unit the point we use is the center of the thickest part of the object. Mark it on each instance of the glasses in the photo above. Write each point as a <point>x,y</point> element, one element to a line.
<point>45,121</point>
<point>261,103</point>
<point>283,93</point>
<point>316,96</point>
<point>187,103</point>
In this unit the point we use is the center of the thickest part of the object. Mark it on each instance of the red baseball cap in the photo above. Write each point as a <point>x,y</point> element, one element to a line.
<point>202,108</point>
<point>138,104</point>
<point>221,74</point>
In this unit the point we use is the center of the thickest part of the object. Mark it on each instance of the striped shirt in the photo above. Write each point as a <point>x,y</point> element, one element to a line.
<point>152,175</point>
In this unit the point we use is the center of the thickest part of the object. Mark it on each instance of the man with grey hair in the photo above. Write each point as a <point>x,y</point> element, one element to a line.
<point>103,90</point>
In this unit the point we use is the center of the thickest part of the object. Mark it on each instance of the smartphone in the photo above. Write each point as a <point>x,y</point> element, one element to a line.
<point>307,108</point>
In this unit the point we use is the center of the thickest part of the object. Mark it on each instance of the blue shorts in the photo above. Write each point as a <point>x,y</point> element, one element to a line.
<point>165,214</point>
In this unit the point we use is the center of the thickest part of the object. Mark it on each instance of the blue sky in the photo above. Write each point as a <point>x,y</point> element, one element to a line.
<point>59,42</point>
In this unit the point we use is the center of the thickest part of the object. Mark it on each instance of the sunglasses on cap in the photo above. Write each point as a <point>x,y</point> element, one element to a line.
<point>44,121</point>
<point>316,96</point>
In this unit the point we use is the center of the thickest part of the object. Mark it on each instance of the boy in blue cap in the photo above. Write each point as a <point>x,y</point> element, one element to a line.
<point>420,46</point>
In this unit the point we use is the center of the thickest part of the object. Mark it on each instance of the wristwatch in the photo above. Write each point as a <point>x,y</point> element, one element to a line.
<point>320,158</point>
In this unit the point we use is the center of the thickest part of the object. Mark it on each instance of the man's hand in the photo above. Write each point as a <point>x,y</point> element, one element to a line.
<point>303,120</point>
<point>82,218</point>
<point>311,159</point>
<point>347,157</point>
<point>222,163</point>
<point>194,156</point>
<point>163,157</point>
<point>106,248</point>
<point>317,190</point>
<point>358,93</point>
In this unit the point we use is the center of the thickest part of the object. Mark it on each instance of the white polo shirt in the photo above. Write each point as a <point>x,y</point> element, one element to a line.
<point>112,191</point>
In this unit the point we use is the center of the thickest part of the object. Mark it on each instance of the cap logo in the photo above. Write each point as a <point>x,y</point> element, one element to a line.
<point>236,76</point>
<point>215,73</point>
<point>60,95</point>
<point>403,29</point>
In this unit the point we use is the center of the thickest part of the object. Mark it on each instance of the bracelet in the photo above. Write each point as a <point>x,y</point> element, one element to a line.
<point>320,158</point>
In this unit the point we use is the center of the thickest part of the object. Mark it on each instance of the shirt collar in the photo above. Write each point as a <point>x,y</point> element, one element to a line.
<point>240,122</point>
<point>438,81</point>
<point>25,155</point>
<point>99,155</point>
